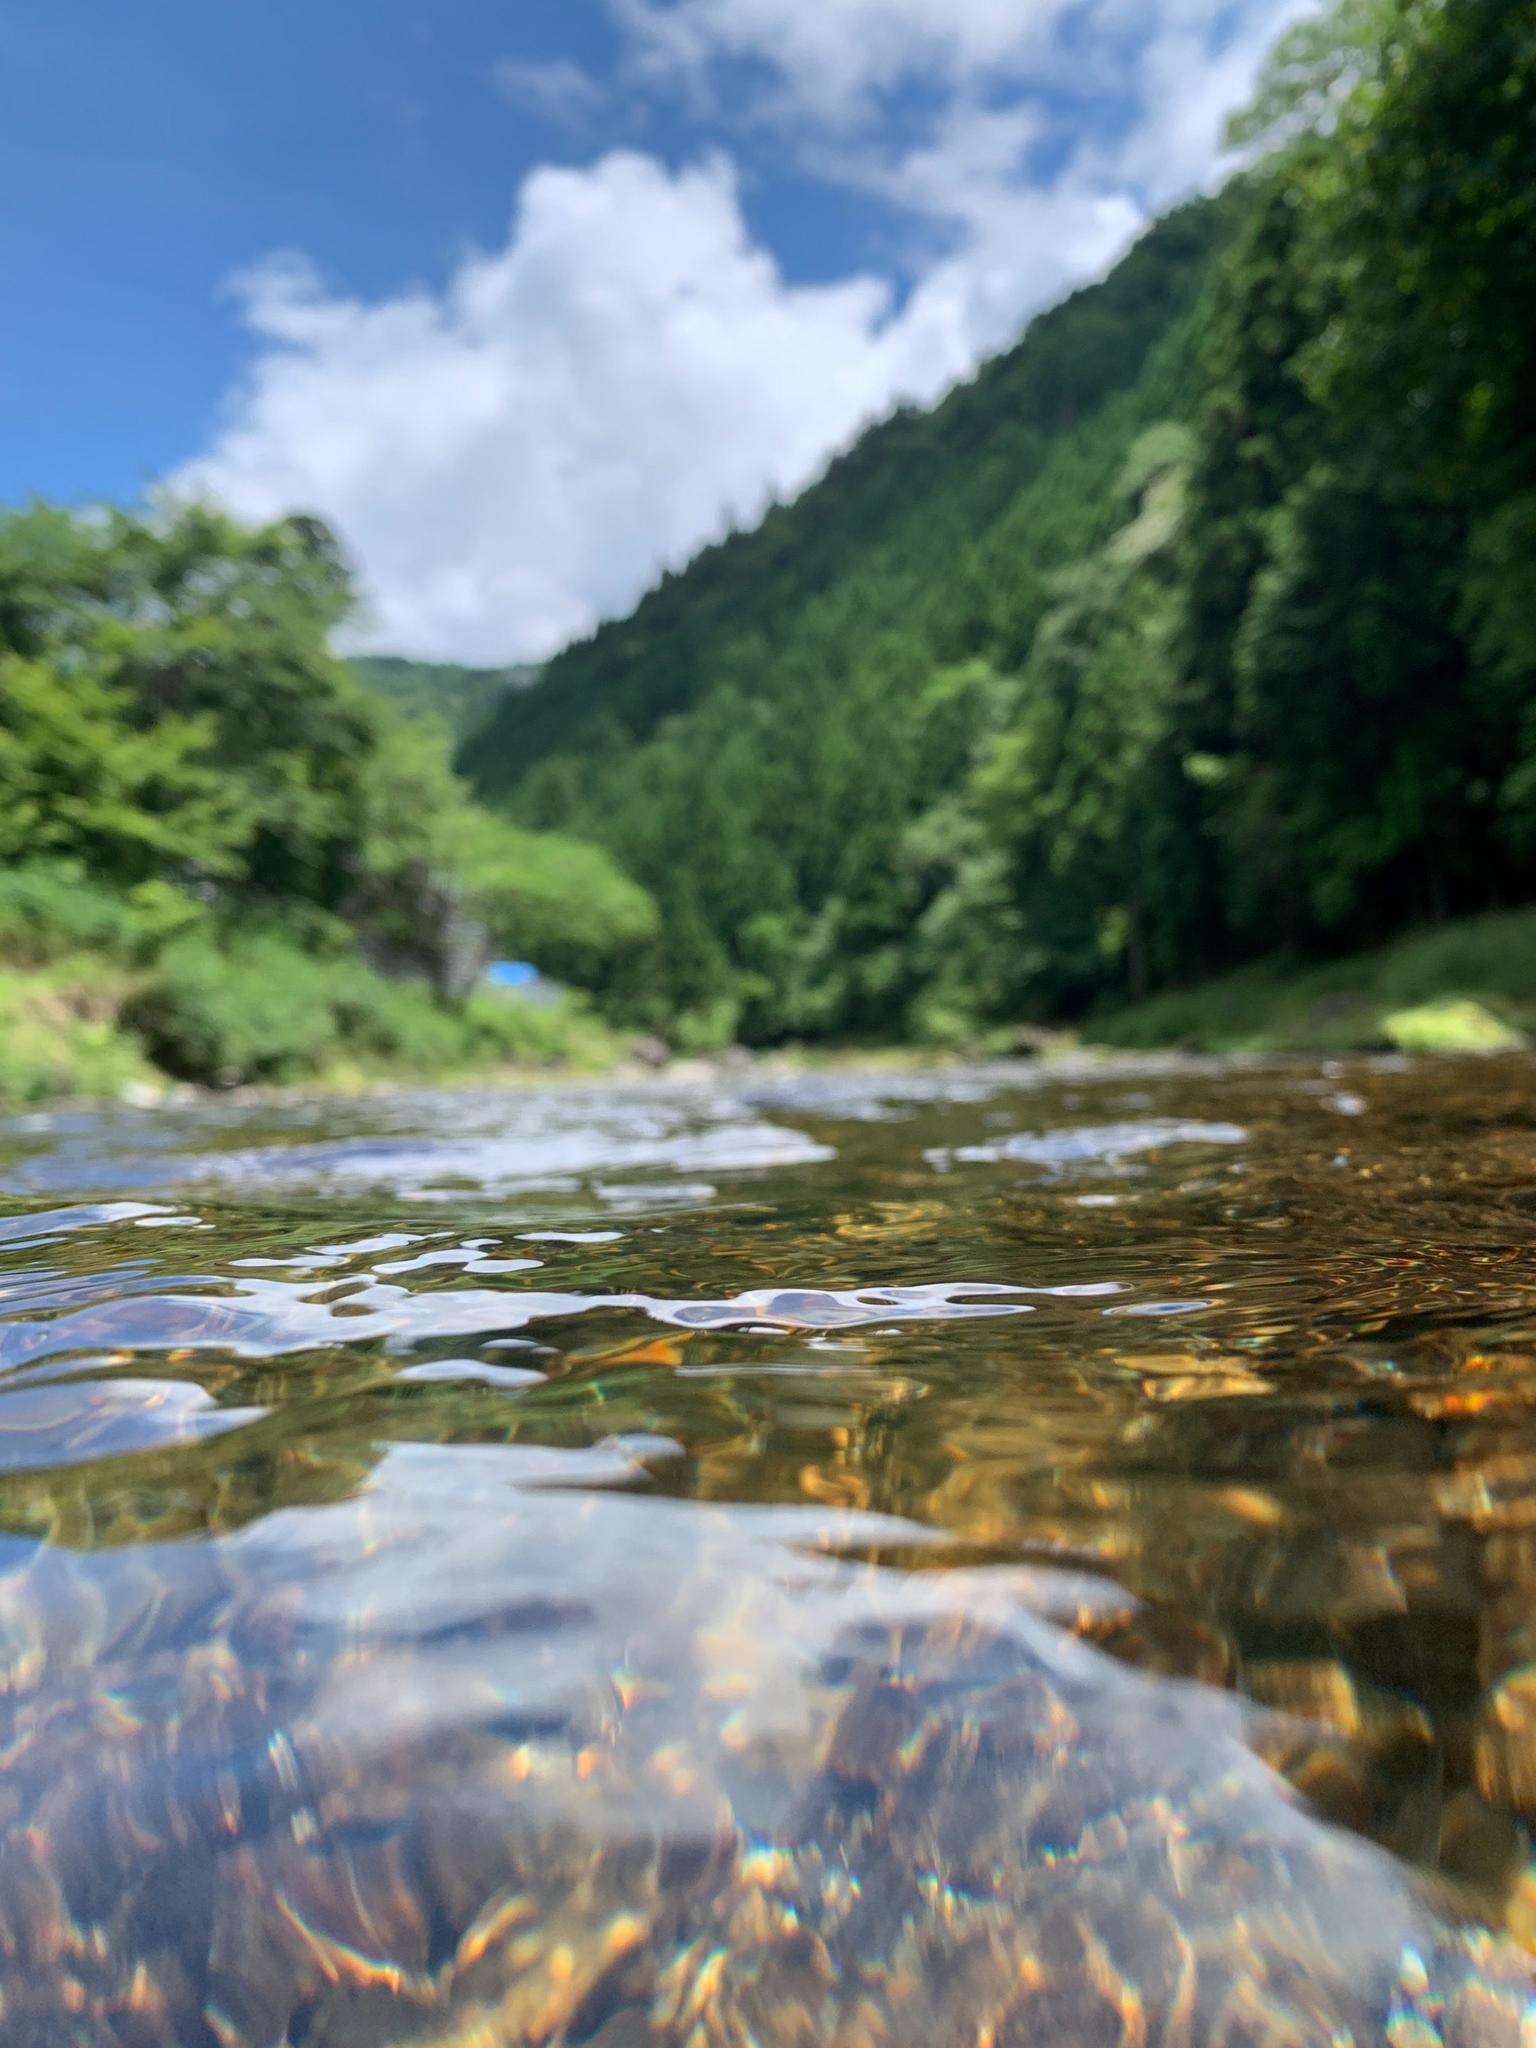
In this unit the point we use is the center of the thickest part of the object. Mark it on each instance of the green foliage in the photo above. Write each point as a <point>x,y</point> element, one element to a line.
<point>437,872</point>
<point>1427,195</point>
<point>561,902</point>
<point>266,1013</point>
<point>262,1009</point>
<point>1070,797</point>
<point>50,910</point>
<point>197,796</point>
<point>757,743</point>
<point>79,779</point>
<point>1469,985</point>
<point>168,705</point>
<point>1311,72</point>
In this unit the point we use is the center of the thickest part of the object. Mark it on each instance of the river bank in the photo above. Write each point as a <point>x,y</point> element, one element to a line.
<point>84,1027</point>
<point>1468,985</point>
<point>75,1028</point>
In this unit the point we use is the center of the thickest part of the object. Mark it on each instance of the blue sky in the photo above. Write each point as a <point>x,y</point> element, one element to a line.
<point>527,296</point>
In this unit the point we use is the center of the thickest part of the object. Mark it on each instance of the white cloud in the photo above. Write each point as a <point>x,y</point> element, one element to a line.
<point>555,89</point>
<point>830,57</point>
<point>515,456</point>
<point>836,62</point>
<point>1183,81</point>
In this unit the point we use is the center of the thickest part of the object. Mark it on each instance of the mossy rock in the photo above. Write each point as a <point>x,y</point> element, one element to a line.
<point>1456,1024</point>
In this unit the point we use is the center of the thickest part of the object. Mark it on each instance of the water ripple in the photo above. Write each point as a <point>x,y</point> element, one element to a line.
<point>598,1567</point>
<point>253,1318</point>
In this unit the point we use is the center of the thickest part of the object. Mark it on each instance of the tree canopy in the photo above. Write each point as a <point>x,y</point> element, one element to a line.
<point>175,727</point>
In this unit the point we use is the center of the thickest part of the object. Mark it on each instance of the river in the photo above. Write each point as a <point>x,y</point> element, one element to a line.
<point>833,1560</point>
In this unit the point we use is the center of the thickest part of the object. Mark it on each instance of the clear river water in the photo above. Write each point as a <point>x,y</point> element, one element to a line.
<point>994,1557</point>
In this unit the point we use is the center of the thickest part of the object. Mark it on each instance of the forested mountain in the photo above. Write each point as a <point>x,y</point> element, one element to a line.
<point>458,698</point>
<point>1197,625</point>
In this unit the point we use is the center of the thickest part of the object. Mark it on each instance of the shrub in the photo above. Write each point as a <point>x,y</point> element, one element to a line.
<point>264,1009</point>
<point>262,1013</point>
<point>51,910</point>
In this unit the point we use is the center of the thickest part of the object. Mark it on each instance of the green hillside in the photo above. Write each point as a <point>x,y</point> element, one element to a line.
<point>1193,628</point>
<point>756,740</point>
<point>459,698</point>
<point>907,503</point>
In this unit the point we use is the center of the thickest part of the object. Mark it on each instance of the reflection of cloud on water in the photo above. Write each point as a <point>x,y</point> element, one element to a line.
<point>261,1318</point>
<point>1090,1145</point>
<point>443,1147</point>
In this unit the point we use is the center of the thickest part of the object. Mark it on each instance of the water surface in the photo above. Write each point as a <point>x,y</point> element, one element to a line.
<point>991,1557</point>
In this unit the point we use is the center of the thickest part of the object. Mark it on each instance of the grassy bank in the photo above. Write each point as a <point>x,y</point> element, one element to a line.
<point>117,1012</point>
<point>86,1027</point>
<point>1469,986</point>
<point>104,993</point>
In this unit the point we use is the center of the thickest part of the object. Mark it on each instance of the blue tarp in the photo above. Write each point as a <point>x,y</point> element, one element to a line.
<point>511,974</point>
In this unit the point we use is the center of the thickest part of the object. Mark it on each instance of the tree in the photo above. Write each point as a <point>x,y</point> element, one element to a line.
<point>1430,195</point>
<point>79,780</point>
<point>1311,73</point>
